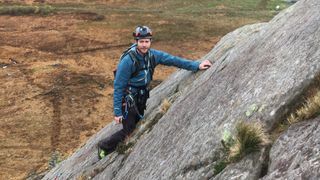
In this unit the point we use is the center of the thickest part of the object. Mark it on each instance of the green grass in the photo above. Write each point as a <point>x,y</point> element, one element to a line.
<point>124,147</point>
<point>172,20</point>
<point>220,166</point>
<point>55,159</point>
<point>19,10</point>
<point>274,3</point>
<point>180,19</point>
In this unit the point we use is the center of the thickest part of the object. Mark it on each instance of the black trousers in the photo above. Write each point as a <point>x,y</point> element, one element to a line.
<point>129,124</point>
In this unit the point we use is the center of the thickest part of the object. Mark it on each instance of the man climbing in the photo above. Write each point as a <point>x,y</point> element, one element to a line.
<point>132,78</point>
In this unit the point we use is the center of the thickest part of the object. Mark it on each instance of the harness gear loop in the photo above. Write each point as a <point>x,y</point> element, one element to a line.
<point>136,98</point>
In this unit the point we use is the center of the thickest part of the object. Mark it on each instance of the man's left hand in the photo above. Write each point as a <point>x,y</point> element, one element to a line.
<point>205,65</point>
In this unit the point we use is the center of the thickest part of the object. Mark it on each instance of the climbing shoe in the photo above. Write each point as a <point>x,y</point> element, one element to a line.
<point>101,153</point>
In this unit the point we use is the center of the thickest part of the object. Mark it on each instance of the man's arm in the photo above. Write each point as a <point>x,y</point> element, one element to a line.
<point>170,60</point>
<point>124,71</point>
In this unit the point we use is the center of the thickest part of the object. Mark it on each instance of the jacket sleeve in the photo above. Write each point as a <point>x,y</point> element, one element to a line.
<point>170,60</point>
<point>124,71</point>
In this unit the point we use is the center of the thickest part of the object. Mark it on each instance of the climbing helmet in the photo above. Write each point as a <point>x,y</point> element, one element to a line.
<point>142,32</point>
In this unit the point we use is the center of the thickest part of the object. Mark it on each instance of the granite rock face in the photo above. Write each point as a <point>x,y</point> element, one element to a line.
<point>296,153</point>
<point>260,73</point>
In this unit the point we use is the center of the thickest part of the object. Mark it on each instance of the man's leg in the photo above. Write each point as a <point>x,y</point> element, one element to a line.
<point>129,124</point>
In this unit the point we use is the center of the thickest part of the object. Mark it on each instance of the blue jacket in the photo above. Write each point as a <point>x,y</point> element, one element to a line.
<point>126,67</point>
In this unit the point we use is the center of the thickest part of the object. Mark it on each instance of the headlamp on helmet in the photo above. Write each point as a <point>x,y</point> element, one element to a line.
<point>142,32</point>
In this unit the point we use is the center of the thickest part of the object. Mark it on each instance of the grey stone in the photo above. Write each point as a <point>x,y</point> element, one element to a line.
<point>249,168</point>
<point>296,153</point>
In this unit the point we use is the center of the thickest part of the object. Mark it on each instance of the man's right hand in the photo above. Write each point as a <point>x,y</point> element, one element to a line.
<point>205,65</point>
<point>118,119</point>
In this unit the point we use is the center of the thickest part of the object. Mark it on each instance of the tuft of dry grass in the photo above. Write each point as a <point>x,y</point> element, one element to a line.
<point>165,106</point>
<point>82,177</point>
<point>309,109</point>
<point>250,137</point>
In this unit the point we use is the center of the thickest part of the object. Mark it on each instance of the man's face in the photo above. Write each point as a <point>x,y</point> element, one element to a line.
<point>143,45</point>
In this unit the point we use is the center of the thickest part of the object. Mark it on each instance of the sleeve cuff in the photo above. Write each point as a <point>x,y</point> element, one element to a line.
<point>196,64</point>
<point>117,112</point>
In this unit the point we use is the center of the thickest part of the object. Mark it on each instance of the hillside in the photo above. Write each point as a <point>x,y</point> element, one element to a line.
<point>262,74</point>
<point>57,57</point>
